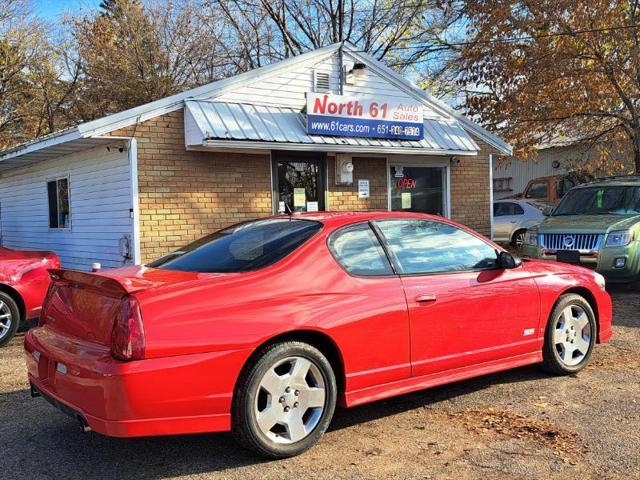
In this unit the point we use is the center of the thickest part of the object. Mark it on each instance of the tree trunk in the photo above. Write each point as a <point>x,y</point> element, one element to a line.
<point>636,152</point>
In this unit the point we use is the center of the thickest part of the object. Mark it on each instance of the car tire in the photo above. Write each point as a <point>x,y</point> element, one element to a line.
<point>518,236</point>
<point>290,385</point>
<point>9,318</point>
<point>570,336</point>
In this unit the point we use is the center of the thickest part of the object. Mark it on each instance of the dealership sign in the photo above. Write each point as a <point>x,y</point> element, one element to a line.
<point>373,117</point>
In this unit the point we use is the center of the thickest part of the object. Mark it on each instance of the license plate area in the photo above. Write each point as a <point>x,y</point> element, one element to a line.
<point>568,256</point>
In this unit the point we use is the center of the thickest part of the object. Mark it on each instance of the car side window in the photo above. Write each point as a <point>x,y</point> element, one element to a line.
<point>359,252</point>
<point>564,185</point>
<point>426,246</point>
<point>502,209</point>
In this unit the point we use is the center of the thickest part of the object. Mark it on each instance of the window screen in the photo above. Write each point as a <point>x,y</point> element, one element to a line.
<point>357,249</point>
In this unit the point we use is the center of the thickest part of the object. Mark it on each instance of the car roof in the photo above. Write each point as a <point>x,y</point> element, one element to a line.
<point>618,181</point>
<point>346,217</point>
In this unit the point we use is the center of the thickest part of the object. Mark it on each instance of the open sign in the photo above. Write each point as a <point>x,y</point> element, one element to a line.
<point>406,183</point>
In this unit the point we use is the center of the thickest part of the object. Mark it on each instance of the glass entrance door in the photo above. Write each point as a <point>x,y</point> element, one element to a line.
<point>298,182</point>
<point>418,189</point>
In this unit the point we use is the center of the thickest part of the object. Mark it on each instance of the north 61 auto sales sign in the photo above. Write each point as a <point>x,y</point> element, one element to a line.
<point>329,114</point>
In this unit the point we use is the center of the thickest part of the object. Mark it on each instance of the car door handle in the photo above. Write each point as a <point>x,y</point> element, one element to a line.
<point>425,298</point>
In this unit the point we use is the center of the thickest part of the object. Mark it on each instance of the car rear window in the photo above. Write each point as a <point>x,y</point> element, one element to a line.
<point>537,190</point>
<point>242,247</point>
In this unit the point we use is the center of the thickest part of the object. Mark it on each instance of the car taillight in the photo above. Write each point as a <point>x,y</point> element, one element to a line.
<point>127,337</point>
<point>45,302</point>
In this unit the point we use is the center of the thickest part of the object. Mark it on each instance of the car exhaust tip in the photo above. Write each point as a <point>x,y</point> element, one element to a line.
<point>34,393</point>
<point>84,426</point>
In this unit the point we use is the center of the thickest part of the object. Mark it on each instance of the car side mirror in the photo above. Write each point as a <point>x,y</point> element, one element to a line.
<point>507,261</point>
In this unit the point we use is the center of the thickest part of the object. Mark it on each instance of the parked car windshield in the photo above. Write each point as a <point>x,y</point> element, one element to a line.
<point>620,200</point>
<point>242,247</point>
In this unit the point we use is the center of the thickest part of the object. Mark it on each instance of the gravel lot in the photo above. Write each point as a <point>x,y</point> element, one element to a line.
<point>518,424</point>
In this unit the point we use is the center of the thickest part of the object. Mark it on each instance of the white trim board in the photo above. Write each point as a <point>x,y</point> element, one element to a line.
<point>150,110</point>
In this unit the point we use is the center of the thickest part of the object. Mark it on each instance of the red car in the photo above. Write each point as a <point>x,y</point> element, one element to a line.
<point>263,327</point>
<point>23,284</point>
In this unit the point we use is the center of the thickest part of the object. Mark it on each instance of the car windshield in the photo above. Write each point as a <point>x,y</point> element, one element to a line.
<point>242,247</point>
<point>619,200</point>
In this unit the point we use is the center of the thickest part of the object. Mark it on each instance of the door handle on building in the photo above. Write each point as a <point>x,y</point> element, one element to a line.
<point>425,298</point>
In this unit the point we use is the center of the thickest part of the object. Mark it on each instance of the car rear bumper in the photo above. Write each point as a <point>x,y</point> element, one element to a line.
<point>160,396</point>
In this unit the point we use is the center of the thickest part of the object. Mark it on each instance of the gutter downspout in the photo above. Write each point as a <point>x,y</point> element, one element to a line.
<point>491,196</point>
<point>135,201</point>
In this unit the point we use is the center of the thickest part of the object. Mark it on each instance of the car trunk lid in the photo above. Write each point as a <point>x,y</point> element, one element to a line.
<point>85,305</point>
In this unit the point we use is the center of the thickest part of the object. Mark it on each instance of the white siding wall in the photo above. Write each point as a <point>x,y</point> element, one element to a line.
<point>289,89</point>
<point>572,157</point>
<point>100,199</point>
<point>521,171</point>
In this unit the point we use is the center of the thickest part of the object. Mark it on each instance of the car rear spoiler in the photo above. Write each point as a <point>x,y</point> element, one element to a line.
<point>102,282</point>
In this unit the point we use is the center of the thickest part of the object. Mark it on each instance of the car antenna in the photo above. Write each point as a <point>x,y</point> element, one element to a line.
<point>288,210</point>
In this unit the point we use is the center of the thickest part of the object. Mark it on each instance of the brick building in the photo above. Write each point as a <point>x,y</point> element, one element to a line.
<point>132,186</point>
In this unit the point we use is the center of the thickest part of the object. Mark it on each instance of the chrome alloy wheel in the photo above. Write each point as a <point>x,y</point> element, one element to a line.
<point>290,400</point>
<point>6,318</point>
<point>572,335</point>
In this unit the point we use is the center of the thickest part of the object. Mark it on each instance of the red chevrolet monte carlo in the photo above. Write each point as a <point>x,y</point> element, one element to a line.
<point>263,327</point>
<point>24,280</point>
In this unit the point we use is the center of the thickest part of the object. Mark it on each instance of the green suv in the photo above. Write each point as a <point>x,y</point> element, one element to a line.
<point>596,225</point>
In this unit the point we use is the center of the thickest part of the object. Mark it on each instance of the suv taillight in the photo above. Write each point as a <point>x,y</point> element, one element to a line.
<point>127,337</point>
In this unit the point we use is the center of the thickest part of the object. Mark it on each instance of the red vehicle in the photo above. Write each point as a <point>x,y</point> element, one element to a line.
<point>23,284</point>
<point>262,328</point>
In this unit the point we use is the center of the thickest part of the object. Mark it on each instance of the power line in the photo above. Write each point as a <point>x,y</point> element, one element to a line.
<point>528,37</point>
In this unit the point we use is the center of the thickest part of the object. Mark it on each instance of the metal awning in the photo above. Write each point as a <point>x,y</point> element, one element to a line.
<point>234,125</point>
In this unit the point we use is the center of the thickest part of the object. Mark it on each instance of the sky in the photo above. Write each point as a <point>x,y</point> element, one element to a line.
<point>50,9</point>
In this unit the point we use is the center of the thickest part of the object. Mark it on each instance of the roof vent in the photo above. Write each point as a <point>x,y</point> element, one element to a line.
<point>321,82</point>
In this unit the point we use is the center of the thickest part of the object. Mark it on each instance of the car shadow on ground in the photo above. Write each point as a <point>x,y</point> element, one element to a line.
<point>40,439</point>
<point>345,418</point>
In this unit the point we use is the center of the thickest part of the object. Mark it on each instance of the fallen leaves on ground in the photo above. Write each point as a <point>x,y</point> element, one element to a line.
<point>515,425</point>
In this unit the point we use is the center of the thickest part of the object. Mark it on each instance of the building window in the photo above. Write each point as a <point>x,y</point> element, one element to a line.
<point>502,184</point>
<point>59,213</point>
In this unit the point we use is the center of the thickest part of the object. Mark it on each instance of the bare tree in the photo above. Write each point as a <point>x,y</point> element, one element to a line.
<point>133,53</point>
<point>21,46</point>
<point>257,32</point>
